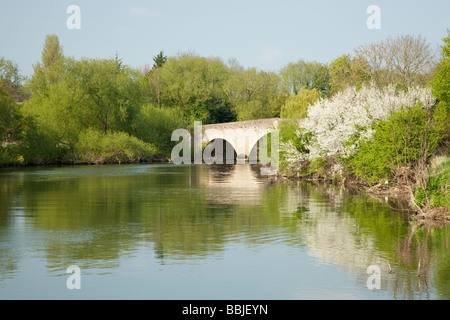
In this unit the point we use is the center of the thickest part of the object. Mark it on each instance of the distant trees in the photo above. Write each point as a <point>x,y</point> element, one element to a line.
<point>347,71</point>
<point>296,106</point>
<point>405,60</point>
<point>194,84</point>
<point>303,74</point>
<point>253,93</point>
<point>12,80</point>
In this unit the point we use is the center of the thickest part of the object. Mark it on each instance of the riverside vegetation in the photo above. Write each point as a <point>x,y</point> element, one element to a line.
<point>377,118</point>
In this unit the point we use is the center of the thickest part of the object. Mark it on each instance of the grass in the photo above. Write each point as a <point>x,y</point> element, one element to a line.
<point>437,192</point>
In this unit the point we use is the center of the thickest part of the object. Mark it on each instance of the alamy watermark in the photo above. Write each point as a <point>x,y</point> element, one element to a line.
<point>74,280</point>
<point>374,280</point>
<point>74,20</point>
<point>373,22</point>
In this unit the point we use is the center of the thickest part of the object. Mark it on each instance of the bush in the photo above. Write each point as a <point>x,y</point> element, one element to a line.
<point>293,141</point>
<point>112,147</point>
<point>409,136</point>
<point>437,191</point>
<point>155,126</point>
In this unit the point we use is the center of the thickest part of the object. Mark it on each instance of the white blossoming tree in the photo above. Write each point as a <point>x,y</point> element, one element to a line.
<point>336,125</point>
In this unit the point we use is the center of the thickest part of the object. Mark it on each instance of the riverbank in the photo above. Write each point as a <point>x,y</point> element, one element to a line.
<point>402,188</point>
<point>98,161</point>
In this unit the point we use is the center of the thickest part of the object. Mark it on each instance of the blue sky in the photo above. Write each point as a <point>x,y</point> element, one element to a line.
<point>258,33</point>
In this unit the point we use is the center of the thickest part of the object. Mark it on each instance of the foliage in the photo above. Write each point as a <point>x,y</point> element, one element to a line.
<point>159,60</point>
<point>192,83</point>
<point>112,147</point>
<point>440,84</point>
<point>303,74</point>
<point>155,126</point>
<point>346,71</point>
<point>293,140</point>
<point>12,80</point>
<point>405,138</point>
<point>253,93</point>
<point>339,126</point>
<point>10,126</point>
<point>446,46</point>
<point>403,61</point>
<point>437,190</point>
<point>296,106</point>
<point>72,96</point>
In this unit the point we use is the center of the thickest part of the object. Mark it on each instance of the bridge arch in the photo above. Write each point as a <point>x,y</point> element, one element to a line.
<point>219,150</point>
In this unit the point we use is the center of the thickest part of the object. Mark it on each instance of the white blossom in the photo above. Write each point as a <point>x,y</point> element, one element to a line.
<point>349,114</point>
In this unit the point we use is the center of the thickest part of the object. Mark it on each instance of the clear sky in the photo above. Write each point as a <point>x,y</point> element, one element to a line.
<point>258,33</point>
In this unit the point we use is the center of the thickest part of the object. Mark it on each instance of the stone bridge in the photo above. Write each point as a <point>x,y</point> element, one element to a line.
<point>243,136</point>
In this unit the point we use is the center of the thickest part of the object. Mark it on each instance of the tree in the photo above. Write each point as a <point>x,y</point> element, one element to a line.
<point>405,60</point>
<point>12,80</point>
<point>51,67</point>
<point>195,84</point>
<point>253,93</point>
<point>9,124</point>
<point>440,85</point>
<point>303,74</point>
<point>52,51</point>
<point>296,106</point>
<point>154,77</point>
<point>107,93</point>
<point>159,60</point>
<point>446,46</point>
<point>337,125</point>
<point>347,71</point>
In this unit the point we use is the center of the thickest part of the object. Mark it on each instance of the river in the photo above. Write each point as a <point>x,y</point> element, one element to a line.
<point>162,231</point>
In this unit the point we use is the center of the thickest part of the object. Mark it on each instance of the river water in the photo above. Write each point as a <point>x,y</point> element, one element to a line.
<point>161,231</point>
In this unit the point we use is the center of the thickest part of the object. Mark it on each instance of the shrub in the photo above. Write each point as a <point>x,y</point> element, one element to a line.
<point>155,126</point>
<point>112,147</point>
<point>437,190</point>
<point>407,137</point>
<point>293,141</point>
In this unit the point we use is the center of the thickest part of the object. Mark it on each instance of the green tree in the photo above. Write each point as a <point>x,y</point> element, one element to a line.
<point>253,93</point>
<point>195,84</point>
<point>296,106</point>
<point>347,71</point>
<point>12,79</point>
<point>52,51</point>
<point>8,116</point>
<point>107,92</point>
<point>51,67</point>
<point>440,84</point>
<point>303,74</point>
<point>446,46</point>
<point>159,60</point>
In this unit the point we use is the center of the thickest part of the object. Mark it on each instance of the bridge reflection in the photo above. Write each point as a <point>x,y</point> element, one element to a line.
<point>239,183</point>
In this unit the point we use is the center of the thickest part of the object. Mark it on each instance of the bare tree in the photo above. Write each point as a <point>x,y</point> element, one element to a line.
<point>406,60</point>
<point>410,58</point>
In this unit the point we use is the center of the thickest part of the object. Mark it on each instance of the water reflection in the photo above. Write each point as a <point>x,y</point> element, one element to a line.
<point>100,217</point>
